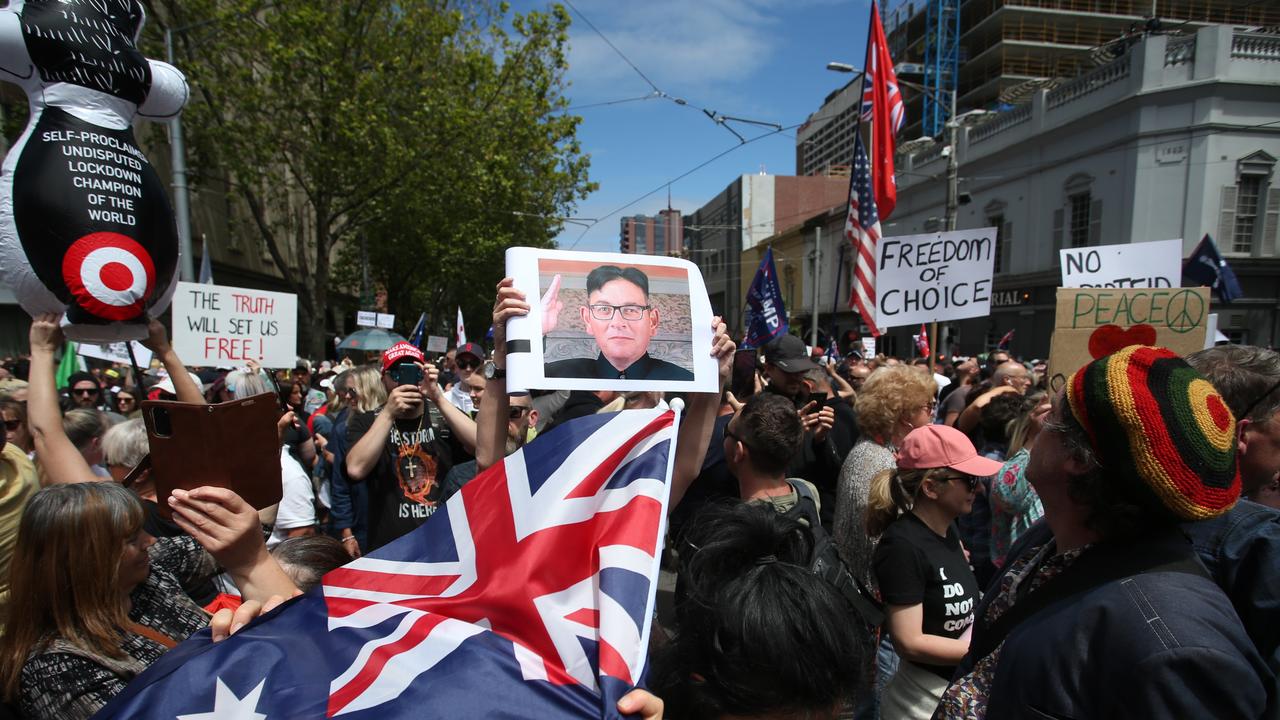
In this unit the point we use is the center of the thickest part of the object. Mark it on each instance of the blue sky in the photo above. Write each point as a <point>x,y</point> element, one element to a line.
<point>758,59</point>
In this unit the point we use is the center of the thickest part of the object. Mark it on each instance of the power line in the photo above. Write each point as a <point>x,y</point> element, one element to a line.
<point>650,96</point>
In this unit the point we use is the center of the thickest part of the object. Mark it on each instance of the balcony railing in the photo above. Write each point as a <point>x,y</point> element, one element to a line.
<point>1090,82</point>
<point>1255,46</point>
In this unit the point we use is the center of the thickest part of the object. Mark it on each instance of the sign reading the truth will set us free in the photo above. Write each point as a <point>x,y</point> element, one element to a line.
<point>1127,265</point>
<point>934,277</point>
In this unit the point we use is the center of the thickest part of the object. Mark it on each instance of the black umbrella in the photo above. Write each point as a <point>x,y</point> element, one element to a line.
<point>370,340</point>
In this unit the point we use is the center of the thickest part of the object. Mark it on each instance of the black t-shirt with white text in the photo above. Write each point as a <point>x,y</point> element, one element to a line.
<point>405,486</point>
<point>914,566</point>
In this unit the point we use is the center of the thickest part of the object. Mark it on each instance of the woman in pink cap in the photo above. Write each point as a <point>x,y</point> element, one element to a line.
<point>924,577</point>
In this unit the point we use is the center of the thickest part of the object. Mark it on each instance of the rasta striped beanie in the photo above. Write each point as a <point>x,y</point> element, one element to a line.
<point>1149,414</point>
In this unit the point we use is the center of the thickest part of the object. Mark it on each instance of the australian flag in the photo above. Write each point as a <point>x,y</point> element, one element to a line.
<point>527,595</point>
<point>1206,267</point>
<point>766,316</point>
<point>418,330</point>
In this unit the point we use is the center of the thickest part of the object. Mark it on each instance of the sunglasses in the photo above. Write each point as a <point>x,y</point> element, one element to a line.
<point>969,480</point>
<point>12,425</point>
<point>348,392</point>
<point>123,399</point>
<point>515,412</point>
<point>468,364</point>
<point>85,391</point>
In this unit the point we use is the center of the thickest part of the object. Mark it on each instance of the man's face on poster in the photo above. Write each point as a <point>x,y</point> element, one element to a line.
<point>618,316</point>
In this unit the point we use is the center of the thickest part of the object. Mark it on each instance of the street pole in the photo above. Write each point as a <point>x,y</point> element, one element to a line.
<point>181,202</point>
<point>817,269</point>
<point>953,206</point>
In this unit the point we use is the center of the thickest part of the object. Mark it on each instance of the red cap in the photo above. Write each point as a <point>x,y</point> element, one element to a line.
<point>938,446</point>
<point>400,351</point>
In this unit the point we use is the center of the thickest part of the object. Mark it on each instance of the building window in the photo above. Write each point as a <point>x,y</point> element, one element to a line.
<point>1248,193</point>
<point>997,222</point>
<point>1078,231</point>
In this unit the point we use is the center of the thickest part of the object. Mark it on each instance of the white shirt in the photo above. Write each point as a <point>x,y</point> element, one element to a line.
<point>460,398</point>
<point>297,506</point>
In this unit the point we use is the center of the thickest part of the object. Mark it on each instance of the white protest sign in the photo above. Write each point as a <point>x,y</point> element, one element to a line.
<point>868,348</point>
<point>934,277</point>
<point>116,352</point>
<point>215,325</point>
<point>437,343</point>
<point>1128,265</point>
<point>386,322</point>
<point>366,318</point>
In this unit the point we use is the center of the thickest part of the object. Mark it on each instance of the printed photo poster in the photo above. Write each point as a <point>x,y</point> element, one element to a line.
<point>1095,322</point>
<point>609,321</point>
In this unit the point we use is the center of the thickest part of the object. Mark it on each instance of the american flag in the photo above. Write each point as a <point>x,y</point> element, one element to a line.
<point>862,227</point>
<point>527,595</point>
<point>882,107</point>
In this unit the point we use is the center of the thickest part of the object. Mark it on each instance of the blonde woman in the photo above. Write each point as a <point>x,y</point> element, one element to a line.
<point>920,567</point>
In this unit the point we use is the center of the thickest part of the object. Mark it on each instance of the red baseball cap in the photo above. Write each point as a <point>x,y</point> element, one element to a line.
<point>938,446</point>
<point>400,351</point>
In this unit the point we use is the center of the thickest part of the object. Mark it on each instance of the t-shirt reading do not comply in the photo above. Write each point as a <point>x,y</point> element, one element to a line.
<point>404,487</point>
<point>915,566</point>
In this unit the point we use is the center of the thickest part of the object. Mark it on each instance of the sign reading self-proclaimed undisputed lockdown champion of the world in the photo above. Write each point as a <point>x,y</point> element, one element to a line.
<point>934,277</point>
<point>85,226</point>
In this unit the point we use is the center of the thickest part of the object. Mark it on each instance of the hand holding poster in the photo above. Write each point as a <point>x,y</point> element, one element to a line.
<point>934,277</point>
<point>1095,322</point>
<point>225,326</point>
<point>1149,264</point>
<point>603,321</point>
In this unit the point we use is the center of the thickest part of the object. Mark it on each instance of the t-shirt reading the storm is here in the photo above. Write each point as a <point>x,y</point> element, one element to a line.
<point>404,487</point>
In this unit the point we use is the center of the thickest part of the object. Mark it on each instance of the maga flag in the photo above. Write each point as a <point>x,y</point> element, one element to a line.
<point>766,316</point>
<point>882,107</point>
<point>528,594</point>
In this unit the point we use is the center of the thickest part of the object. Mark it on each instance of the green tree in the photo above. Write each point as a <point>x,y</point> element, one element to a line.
<point>415,127</point>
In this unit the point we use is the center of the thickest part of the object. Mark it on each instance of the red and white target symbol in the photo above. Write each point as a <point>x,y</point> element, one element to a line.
<point>109,274</point>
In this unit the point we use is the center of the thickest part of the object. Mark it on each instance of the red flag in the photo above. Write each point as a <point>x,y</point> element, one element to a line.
<point>922,341</point>
<point>882,106</point>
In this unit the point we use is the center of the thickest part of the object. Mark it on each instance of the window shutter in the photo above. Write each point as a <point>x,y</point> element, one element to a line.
<point>1006,252</point>
<point>1095,223</point>
<point>1057,234</point>
<point>1271,231</point>
<point>1227,218</point>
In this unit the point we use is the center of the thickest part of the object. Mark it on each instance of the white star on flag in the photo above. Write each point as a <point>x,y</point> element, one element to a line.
<point>226,706</point>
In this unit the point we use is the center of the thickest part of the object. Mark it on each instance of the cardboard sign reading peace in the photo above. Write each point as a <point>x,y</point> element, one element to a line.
<point>1093,322</point>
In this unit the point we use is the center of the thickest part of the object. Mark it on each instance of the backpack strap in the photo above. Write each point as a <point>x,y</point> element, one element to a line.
<point>829,566</point>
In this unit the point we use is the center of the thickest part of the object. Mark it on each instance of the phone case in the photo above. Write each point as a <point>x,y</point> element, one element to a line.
<point>234,445</point>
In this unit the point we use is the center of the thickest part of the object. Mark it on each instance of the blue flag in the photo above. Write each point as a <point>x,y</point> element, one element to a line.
<point>1206,267</point>
<point>766,316</point>
<point>418,330</point>
<point>527,594</point>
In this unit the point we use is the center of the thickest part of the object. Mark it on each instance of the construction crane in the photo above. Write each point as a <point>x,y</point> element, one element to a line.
<point>941,64</point>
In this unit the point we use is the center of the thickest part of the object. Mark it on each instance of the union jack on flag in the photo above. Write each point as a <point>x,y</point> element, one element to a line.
<point>527,595</point>
<point>862,228</point>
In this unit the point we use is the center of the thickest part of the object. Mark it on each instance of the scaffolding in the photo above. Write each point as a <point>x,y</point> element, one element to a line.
<point>941,65</point>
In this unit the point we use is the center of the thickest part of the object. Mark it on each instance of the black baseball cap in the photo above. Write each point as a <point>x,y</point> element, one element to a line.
<point>789,353</point>
<point>471,349</point>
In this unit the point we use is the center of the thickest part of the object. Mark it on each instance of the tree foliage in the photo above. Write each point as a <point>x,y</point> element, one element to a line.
<point>413,130</point>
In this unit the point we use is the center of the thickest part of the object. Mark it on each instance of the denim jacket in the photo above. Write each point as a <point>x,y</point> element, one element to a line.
<point>1159,644</point>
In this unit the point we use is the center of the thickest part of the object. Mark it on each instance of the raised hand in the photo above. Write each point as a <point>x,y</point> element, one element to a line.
<point>551,306</point>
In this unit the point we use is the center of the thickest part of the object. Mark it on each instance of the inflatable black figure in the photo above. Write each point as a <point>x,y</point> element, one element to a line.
<point>85,225</point>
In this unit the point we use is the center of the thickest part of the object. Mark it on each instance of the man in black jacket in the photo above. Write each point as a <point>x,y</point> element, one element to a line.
<point>1103,610</point>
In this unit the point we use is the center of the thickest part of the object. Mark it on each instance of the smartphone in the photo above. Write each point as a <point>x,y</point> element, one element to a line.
<point>818,397</point>
<point>406,374</point>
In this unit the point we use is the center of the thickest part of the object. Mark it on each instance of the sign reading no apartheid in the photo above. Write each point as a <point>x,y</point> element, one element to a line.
<point>225,326</point>
<point>1095,322</point>
<point>1127,265</point>
<point>934,277</point>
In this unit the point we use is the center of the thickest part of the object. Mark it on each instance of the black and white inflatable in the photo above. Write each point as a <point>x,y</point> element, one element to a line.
<point>85,225</point>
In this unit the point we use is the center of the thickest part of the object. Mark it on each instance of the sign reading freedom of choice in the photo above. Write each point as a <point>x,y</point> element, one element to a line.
<point>934,277</point>
<point>225,326</point>
<point>1127,265</point>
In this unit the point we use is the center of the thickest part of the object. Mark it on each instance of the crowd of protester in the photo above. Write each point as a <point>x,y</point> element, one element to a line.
<point>851,537</point>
